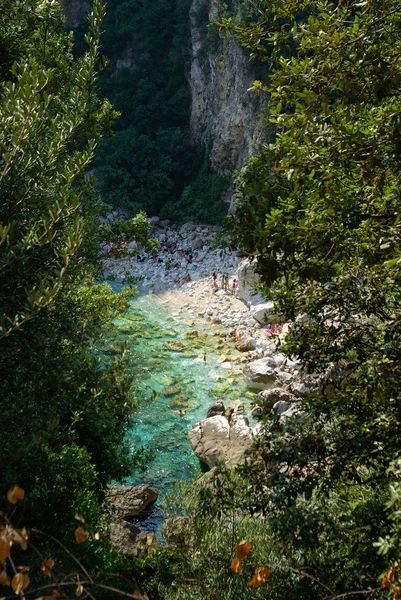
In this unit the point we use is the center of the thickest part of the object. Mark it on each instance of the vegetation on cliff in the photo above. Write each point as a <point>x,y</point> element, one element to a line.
<point>150,163</point>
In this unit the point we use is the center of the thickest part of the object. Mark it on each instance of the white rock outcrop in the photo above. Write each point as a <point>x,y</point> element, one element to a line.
<point>217,440</point>
<point>248,279</point>
<point>262,312</point>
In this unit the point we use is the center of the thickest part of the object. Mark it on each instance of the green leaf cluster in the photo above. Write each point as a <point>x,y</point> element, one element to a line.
<point>319,207</point>
<point>63,413</point>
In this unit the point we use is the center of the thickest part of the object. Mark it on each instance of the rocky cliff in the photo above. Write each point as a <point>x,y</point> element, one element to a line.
<point>75,11</point>
<point>224,113</point>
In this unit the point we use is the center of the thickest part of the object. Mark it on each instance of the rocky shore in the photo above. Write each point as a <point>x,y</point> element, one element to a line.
<point>245,318</point>
<point>158,276</point>
<point>244,321</point>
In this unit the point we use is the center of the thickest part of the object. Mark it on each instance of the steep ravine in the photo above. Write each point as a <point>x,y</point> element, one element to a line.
<point>224,114</point>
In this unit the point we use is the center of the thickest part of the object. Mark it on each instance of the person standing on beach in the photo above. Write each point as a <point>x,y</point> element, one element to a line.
<point>215,275</point>
<point>234,286</point>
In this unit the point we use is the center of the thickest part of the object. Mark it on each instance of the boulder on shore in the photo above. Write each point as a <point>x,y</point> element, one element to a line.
<point>268,398</point>
<point>216,440</point>
<point>245,343</point>
<point>248,281</point>
<point>262,312</point>
<point>258,374</point>
<point>131,500</point>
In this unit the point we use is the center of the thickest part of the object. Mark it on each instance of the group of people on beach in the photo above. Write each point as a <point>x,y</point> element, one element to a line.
<point>171,255</point>
<point>225,282</point>
<point>168,249</point>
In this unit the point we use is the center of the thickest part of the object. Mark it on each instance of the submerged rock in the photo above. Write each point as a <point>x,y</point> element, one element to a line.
<point>131,500</point>
<point>171,390</point>
<point>191,334</point>
<point>174,346</point>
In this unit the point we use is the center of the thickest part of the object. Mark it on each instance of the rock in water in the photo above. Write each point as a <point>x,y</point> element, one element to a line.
<point>171,390</point>
<point>174,346</point>
<point>131,500</point>
<point>217,408</point>
<point>191,334</point>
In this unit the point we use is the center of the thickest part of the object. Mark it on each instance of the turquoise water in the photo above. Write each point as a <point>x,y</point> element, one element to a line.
<point>167,381</point>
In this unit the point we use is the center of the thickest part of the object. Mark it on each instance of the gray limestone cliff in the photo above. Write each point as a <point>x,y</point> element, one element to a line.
<point>224,112</point>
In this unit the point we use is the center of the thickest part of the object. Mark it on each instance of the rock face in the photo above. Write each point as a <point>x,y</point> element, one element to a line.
<point>223,110</point>
<point>262,312</point>
<point>247,280</point>
<point>259,374</point>
<point>215,439</point>
<point>131,500</point>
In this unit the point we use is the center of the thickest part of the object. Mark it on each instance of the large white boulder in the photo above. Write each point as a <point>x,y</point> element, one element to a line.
<point>247,280</point>
<point>262,312</point>
<point>259,374</point>
<point>217,440</point>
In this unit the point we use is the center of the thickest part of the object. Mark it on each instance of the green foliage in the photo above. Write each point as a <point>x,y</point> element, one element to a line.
<point>320,208</point>
<point>148,160</point>
<point>64,414</point>
<point>121,231</point>
<point>149,163</point>
<point>201,200</point>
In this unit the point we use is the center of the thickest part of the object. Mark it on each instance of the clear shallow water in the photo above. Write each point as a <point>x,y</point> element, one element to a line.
<point>167,381</point>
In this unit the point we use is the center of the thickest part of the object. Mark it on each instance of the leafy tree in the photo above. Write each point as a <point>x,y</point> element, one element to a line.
<point>64,415</point>
<point>201,200</point>
<point>319,206</point>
